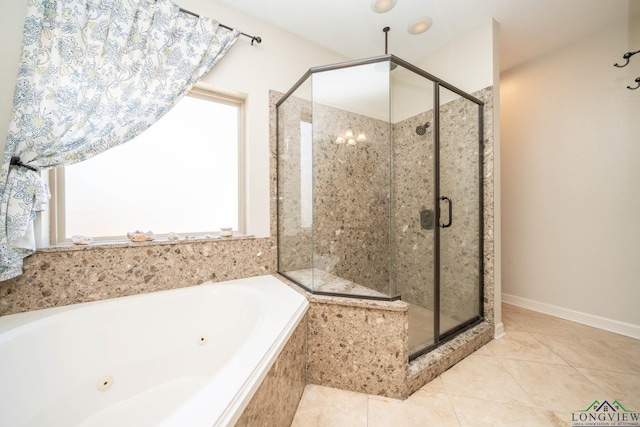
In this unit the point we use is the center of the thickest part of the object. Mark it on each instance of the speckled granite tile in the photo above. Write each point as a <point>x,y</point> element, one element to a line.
<point>347,302</point>
<point>413,182</point>
<point>276,400</point>
<point>70,275</point>
<point>350,195</point>
<point>326,282</point>
<point>351,198</point>
<point>361,349</point>
<point>486,95</point>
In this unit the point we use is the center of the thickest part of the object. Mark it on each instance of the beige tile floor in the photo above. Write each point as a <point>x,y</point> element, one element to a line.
<point>542,371</point>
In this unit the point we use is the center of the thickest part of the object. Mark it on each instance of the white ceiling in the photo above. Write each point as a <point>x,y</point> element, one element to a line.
<point>528,28</point>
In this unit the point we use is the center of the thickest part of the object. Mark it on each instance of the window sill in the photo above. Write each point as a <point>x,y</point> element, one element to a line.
<point>70,247</point>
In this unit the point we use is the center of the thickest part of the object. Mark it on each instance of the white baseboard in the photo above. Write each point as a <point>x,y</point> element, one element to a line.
<point>499,331</point>
<point>622,328</point>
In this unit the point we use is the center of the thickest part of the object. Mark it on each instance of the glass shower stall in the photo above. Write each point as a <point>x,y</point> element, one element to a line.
<point>379,176</point>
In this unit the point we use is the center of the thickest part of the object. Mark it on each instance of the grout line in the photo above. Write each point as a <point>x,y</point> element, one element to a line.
<point>368,403</point>
<point>454,408</point>
<point>575,368</point>
<point>551,349</point>
<point>535,405</point>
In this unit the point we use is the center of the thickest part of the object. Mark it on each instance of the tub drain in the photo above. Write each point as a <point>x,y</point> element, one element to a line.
<point>105,383</point>
<point>202,339</point>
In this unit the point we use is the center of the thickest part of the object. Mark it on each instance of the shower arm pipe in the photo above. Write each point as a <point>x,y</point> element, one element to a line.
<point>386,40</point>
<point>256,39</point>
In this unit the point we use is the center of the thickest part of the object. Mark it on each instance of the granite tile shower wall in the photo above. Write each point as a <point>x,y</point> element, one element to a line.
<point>350,196</point>
<point>413,176</point>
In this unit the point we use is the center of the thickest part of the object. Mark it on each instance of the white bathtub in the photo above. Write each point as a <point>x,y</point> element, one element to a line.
<point>186,358</point>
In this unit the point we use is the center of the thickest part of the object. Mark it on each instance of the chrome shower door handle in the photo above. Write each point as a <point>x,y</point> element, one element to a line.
<point>448,224</point>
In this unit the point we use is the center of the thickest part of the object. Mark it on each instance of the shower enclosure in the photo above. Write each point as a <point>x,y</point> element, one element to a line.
<point>379,169</point>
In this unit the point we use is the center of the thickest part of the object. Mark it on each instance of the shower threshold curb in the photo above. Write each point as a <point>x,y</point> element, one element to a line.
<point>429,366</point>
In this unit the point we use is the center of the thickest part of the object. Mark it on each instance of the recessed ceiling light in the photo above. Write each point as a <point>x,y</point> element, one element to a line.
<point>382,6</point>
<point>420,25</point>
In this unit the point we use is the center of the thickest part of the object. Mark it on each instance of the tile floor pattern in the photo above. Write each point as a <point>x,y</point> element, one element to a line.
<point>542,371</point>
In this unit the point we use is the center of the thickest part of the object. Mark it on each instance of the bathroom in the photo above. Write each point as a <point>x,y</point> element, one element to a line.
<point>62,276</point>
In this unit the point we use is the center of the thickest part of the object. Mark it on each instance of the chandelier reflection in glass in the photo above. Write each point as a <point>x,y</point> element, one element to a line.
<point>349,138</point>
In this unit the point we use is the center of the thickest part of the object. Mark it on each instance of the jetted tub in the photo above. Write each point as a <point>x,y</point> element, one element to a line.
<point>187,357</point>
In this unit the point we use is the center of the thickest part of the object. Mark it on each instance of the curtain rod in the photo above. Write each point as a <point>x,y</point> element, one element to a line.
<point>256,39</point>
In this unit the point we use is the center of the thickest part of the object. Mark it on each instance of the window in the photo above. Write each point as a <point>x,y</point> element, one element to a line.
<point>184,174</point>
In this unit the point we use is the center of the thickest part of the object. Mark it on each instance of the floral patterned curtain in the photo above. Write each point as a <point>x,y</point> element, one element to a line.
<point>93,75</point>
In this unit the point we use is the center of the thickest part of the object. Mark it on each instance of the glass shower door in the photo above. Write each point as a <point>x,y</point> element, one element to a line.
<point>460,201</point>
<point>414,220</point>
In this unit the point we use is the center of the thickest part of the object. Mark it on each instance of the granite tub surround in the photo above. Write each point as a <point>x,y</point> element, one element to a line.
<point>276,400</point>
<point>74,274</point>
<point>358,346</point>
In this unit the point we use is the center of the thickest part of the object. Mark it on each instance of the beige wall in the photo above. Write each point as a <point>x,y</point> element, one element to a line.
<point>466,63</point>
<point>571,177</point>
